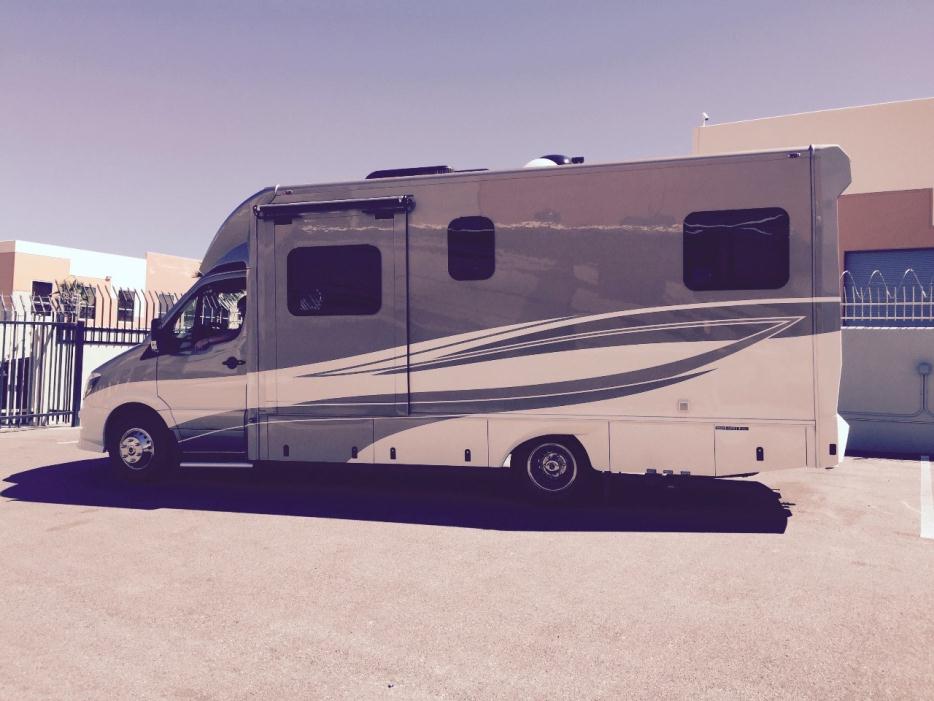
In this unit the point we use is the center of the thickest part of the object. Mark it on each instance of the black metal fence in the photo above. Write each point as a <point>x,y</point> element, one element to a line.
<point>111,315</point>
<point>40,372</point>
<point>46,341</point>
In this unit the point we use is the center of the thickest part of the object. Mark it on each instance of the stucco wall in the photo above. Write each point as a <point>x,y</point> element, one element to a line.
<point>31,268</point>
<point>6,273</point>
<point>886,400</point>
<point>123,271</point>
<point>19,270</point>
<point>891,145</point>
<point>165,273</point>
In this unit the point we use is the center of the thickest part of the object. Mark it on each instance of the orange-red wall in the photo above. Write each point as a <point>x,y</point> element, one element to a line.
<point>883,220</point>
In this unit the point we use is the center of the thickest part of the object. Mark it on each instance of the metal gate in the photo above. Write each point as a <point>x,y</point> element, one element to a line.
<point>40,372</point>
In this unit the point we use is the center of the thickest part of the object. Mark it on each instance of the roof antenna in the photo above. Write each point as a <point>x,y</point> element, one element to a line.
<point>706,118</point>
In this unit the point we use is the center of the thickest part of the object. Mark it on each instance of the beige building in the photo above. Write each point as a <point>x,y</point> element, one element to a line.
<point>166,273</point>
<point>891,145</point>
<point>30,267</point>
<point>887,213</point>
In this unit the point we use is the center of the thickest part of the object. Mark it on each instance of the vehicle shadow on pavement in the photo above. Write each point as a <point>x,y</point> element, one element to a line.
<point>461,497</point>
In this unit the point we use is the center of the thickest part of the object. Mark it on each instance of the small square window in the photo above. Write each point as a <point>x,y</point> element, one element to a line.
<point>42,298</point>
<point>471,248</point>
<point>126,305</point>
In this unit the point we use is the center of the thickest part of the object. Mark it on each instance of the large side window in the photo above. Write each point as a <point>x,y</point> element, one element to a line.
<point>214,315</point>
<point>334,280</point>
<point>471,248</point>
<point>736,249</point>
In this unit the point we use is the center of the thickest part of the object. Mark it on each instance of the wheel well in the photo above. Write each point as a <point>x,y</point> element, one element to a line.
<point>570,441</point>
<point>126,410</point>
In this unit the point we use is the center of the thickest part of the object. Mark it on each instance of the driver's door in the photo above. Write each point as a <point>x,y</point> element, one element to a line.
<point>202,370</point>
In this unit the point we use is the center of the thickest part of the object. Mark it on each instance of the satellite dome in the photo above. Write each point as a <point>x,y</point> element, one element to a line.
<point>553,159</point>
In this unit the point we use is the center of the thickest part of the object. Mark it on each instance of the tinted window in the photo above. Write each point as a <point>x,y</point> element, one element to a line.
<point>334,280</point>
<point>41,289</point>
<point>736,249</point>
<point>126,305</point>
<point>42,298</point>
<point>471,248</point>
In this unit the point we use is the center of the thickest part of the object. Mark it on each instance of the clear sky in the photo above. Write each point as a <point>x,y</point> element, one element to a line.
<point>128,127</point>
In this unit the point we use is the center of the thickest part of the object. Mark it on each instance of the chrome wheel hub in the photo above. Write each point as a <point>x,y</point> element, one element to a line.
<point>554,464</point>
<point>136,449</point>
<point>552,467</point>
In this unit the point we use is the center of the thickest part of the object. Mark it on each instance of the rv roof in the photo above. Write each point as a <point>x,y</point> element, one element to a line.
<point>286,190</point>
<point>234,232</point>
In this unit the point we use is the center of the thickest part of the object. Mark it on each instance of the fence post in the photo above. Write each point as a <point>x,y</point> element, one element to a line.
<point>78,372</point>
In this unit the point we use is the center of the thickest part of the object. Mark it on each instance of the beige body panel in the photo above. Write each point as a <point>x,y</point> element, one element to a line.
<point>319,440</point>
<point>445,442</point>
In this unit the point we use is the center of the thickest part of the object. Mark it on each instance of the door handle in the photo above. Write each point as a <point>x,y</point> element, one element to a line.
<point>232,362</point>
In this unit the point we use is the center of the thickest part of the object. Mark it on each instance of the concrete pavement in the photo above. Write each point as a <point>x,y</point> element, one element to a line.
<point>413,583</point>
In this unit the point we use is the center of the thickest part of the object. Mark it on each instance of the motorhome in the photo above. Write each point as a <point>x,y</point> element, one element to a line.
<point>677,316</point>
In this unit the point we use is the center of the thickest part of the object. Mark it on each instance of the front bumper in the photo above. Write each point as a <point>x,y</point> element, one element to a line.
<point>91,437</point>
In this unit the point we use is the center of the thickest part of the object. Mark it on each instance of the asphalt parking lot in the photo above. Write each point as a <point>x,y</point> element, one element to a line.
<point>429,583</point>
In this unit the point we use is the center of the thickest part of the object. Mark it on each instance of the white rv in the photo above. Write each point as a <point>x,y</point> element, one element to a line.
<point>673,316</point>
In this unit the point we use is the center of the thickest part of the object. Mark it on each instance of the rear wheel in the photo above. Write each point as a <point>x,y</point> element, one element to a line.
<point>551,468</point>
<point>141,448</point>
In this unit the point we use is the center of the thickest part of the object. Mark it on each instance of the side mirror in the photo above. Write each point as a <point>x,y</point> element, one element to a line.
<point>155,333</point>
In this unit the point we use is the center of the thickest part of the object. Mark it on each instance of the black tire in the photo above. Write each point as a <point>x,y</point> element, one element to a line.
<point>141,448</point>
<point>551,469</point>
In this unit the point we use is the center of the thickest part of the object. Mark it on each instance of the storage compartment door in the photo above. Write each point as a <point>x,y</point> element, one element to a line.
<point>676,446</point>
<point>741,449</point>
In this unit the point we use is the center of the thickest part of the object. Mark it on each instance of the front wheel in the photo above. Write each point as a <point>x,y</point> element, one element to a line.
<point>141,448</point>
<point>551,469</point>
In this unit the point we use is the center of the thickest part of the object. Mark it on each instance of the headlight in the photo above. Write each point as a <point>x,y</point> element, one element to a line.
<point>93,379</point>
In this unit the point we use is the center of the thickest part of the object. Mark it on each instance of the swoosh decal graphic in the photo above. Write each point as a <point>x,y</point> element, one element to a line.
<point>552,394</point>
<point>701,315</point>
<point>681,333</point>
<point>374,365</point>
